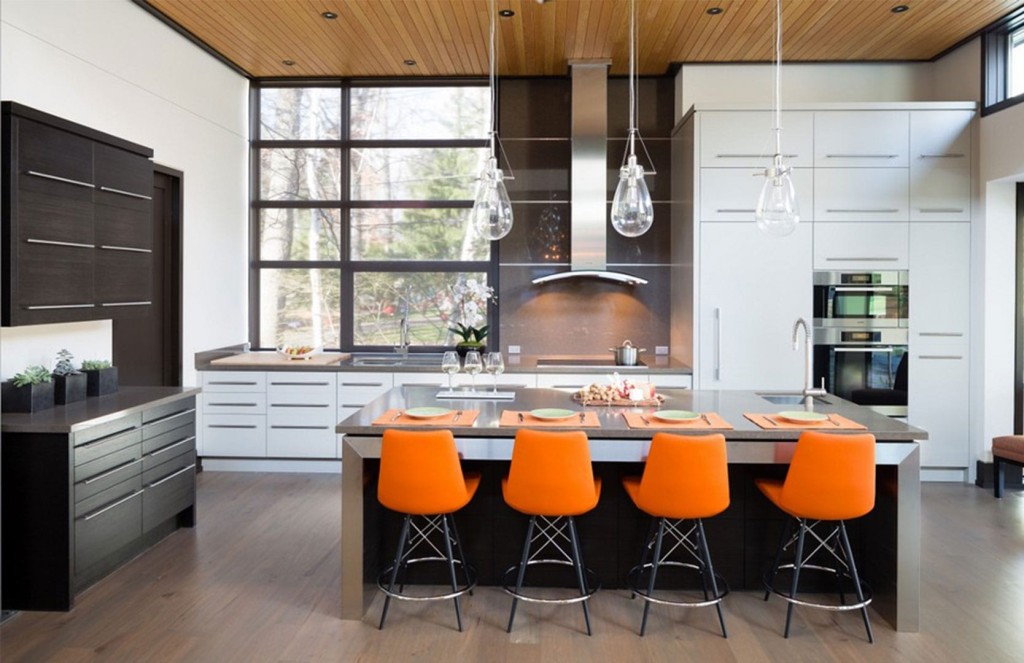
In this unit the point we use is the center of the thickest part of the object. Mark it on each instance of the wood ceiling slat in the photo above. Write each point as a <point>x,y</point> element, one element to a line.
<point>371,38</point>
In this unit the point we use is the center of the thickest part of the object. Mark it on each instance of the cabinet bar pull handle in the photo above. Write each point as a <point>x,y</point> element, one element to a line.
<point>235,404</point>
<point>302,384</point>
<point>362,384</point>
<point>125,193</point>
<point>718,343</point>
<point>108,508</point>
<point>886,350</point>
<point>303,427</point>
<point>35,173</point>
<point>735,211</point>
<point>57,306</point>
<point>880,210</point>
<point>299,405</point>
<point>941,210</point>
<point>171,476</point>
<point>125,303</point>
<point>170,416</point>
<point>231,426</point>
<point>861,156</point>
<point>124,248</point>
<point>111,471</point>
<point>941,334</point>
<point>352,405</point>
<point>171,446</point>
<point>105,438</point>
<point>752,156</point>
<point>862,259</point>
<point>948,155</point>
<point>230,382</point>
<point>853,288</point>
<point>50,242</point>
<point>940,356</point>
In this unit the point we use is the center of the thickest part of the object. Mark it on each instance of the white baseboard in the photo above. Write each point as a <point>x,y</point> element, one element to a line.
<point>271,465</point>
<point>944,475</point>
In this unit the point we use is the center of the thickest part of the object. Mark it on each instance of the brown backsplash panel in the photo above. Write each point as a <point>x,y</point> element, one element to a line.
<point>540,234</point>
<point>535,107</point>
<point>542,169</point>
<point>582,316</point>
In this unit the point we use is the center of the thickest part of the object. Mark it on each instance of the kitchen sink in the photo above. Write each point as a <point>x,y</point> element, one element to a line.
<point>790,399</point>
<point>383,360</point>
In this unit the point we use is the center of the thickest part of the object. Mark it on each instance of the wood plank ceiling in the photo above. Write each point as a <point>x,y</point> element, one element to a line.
<point>374,38</point>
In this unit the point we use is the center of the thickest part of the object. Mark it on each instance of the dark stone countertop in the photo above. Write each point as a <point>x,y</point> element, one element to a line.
<point>63,419</point>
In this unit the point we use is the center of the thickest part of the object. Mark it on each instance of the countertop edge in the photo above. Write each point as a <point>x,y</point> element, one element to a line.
<point>85,414</point>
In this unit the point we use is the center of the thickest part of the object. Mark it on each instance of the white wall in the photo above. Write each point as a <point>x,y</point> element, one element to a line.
<point>110,65</point>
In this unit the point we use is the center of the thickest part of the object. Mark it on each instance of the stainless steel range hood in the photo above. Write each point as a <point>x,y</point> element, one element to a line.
<point>588,248</point>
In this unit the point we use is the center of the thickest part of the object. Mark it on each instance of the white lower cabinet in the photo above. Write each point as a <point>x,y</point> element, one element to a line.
<point>752,288</point>
<point>301,415</point>
<point>238,435</point>
<point>938,402</point>
<point>667,381</point>
<point>234,421</point>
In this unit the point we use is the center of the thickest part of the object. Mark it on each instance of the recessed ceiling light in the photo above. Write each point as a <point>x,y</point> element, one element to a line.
<point>409,63</point>
<point>715,11</point>
<point>288,63</point>
<point>506,13</point>
<point>330,16</point>
<point>899,9</point>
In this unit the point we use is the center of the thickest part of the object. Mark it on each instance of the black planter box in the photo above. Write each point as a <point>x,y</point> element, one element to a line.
<point>69,388</point>
<point>102,381</point>
<point>30,398</point>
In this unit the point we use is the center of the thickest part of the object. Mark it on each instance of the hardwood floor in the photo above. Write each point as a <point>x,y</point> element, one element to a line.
<point>258,580</point>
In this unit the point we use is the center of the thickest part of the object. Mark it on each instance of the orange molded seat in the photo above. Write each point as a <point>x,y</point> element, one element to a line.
<point>420,473</point>
<point>551,474</point>
<point>831,477</point>
<point>685,477</point>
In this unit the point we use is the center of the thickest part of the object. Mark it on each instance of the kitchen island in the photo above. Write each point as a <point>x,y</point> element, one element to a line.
<point>886,542</point>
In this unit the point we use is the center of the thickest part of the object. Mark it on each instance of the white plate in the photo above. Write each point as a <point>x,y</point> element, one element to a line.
<point>802,416</point>
<point>552,414</point>
<point>675,415</point>
<point>426,412</point>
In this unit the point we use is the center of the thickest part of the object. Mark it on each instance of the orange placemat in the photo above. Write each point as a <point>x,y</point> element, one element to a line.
<point>636,420</point>
<point>774,421</point>
<point>396,417</point>
<point>512,418</point>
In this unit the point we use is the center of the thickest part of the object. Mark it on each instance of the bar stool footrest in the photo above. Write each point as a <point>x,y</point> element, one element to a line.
<point>784,594</point>
<point>639,588</point>
<point>384,577</point>
<point>508,583</point>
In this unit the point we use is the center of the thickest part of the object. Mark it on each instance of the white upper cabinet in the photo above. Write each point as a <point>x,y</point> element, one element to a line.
<point>940,165</point>
<point>867,246</point>
<point>861,194</point>
<point>730,194</point>
<point>731,139</point>
<point>861,139</point>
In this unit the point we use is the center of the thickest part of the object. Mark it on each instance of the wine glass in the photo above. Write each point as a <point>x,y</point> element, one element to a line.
<point>473,365</point>
<point>495,365</point>
<point>450,365</point>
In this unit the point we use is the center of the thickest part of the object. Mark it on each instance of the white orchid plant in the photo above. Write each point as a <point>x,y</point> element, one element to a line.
<point>469,306</point>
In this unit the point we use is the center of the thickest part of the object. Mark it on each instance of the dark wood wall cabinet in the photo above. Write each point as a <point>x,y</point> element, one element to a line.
<point>86,487</point>
<point>77,221</point>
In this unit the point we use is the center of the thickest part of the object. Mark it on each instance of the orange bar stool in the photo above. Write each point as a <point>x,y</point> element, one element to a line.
<point>552,481</point>
<point>831,479</point>
<point>420,476</point>
<point>686,478</point>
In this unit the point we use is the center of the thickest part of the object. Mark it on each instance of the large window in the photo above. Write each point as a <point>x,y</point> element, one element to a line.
<point>1003,66</point>
<point>362,196</point>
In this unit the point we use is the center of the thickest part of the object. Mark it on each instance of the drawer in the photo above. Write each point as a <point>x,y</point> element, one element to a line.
<point>301,403</point>
<point>168,410</point>
<point>50,151</point>
<point>128,465</point>
<point>305,441</point>
<point>730,194</point>
<point>357,389</point>
<point>234,381</point>
<point>107,522</point>
<point>280,383</point>
<point>169,422</point>
<point>861,194</point>
<point>171,443</point>
<point>869,246</point>
<point>573,381</point>
<point>90,451</point>
<point>107,428</point>
<point>671,381</point>
<point>246,402</point>
<point>168,489</point>
<point>106,463</point>
<point>234,435</point>
<point>303,417</point>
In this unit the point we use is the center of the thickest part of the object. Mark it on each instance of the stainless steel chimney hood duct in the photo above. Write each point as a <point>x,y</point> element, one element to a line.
<point>588,249</point>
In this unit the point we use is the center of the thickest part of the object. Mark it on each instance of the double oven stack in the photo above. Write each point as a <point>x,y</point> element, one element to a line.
<point>861,329</point>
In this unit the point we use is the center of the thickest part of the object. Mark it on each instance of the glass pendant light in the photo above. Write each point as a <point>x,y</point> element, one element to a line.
<point>632,209</point>
<point>492,210</point>
<point>777,212</point>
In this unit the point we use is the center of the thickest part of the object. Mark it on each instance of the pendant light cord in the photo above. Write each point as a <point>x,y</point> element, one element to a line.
<point>632,75</point>
<point>491,81</point>
<point>778,76</point>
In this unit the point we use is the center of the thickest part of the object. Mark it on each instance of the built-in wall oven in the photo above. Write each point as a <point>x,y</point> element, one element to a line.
<point>860,337</point>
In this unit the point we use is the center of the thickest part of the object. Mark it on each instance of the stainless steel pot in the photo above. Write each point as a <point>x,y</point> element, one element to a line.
<point>626,354</point>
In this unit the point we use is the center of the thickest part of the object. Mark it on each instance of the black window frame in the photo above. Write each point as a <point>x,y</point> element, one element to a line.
<point>346,266</point>
<point>995,60</point>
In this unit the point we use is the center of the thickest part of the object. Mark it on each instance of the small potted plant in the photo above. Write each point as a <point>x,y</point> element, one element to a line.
<point>28,391</point>
<point>101,377</point>
<point>469,307</point>
<point>69,384</point>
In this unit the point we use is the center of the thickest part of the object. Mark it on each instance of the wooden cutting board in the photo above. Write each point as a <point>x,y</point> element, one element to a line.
<point>278,360</point>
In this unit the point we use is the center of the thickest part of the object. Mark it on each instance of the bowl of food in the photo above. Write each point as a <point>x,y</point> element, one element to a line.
<point>299,351</point>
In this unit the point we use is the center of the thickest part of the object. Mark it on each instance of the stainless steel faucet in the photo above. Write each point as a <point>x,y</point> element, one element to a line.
<point>809,391</point>
<point>403,336</point>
